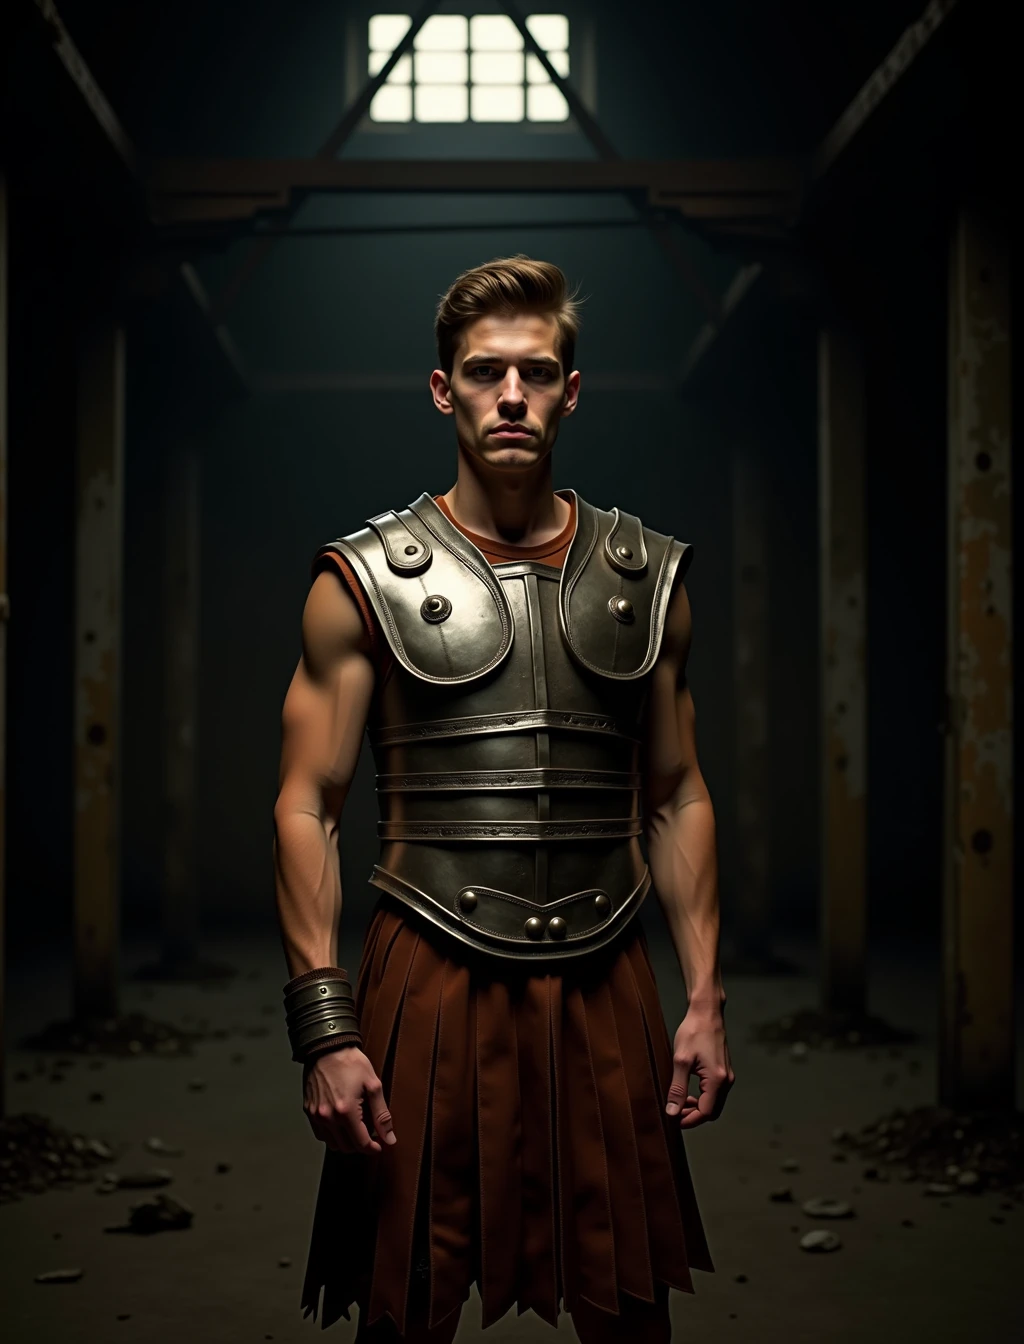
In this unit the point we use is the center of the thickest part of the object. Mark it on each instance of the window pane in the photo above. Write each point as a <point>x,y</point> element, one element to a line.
<point>494,32</point>
<point>393,102</point>
<point>497,67</point>
<point>498,102</point>
<point>550,31</point>
<point>442,32</point>
<point>441,67</point>
<point>535,72</point>
<point>402,72</point>
<point>546,103</point>
<point>441,102</point>
<point>387,30</point>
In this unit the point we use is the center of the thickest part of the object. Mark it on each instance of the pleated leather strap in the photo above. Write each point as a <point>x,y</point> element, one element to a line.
<point>474,724</point>
<point>544,777</point>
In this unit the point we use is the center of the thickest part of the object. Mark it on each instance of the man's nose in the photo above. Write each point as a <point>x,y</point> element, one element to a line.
<point>511,390</point>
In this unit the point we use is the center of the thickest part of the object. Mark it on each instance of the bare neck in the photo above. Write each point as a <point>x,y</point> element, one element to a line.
<point>519,508</point>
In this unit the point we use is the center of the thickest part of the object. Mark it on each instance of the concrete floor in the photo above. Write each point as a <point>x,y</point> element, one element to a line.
<point>950,1277</point>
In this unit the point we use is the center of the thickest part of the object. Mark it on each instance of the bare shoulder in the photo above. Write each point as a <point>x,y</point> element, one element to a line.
<point>675,644</point>
<point>333,629</point>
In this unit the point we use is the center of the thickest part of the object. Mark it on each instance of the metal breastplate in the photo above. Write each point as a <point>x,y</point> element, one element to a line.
<point>507,739</point>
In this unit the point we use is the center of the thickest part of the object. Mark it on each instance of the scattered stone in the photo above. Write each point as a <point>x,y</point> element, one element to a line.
<point>811,1027</point>
<point>781,1195</point>
<point>131,1034</point>
<point>96,1096</point>
<point>59,1276</point>
<point>798,1050</point>
<point>741,1278</point>
<point>936,1146</point>
<point>152,1179</point>
<point>197,1084</point>
<point>820,1240</point>
<point>284,1262</point>
<point>222,1168</point>
<point>124,1315</point>
<point>789,1164</point>
<point>156,1145</point>
<point>907,1222</point>
<point>37,1154</point>
<point>827,1208</point>
<point>163,1213</point>
<point>939,1188</point>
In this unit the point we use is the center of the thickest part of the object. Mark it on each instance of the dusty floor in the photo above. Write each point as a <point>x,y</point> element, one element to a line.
<point>235,1274</point>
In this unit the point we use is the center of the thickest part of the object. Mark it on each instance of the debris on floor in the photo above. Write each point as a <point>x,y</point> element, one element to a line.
<point>828,1031</point>
<point>59,1276</point>
<point>36,1154</point>
<point>163,1213</point>
<point>128,1034</point>
<point>954,1153</point>
<point>134,1180</point>
<point>827,1208</point>
<point>820,1240</point>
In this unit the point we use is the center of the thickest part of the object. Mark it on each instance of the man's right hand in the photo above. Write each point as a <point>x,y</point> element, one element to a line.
<point>338,1084</point>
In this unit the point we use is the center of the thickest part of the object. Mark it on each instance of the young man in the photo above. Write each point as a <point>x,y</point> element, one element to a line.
<point>500,1101</point>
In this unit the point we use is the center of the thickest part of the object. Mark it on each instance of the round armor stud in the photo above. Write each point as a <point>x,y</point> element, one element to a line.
<point>601,903</point>
<point>411,549</point>
<point>624,552</point>
<point>435,608</point>
<point>621,608</point>
<point>557,927</point>
<point>468,901</point>
<point>534,927</point>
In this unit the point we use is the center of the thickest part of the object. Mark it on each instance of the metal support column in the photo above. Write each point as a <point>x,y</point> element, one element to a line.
<point>179,949</point>
<point>98,567</point>
<point>976,1062</point>
<point>4,614</point>
<point>750,650</point>
<point>842,673</point>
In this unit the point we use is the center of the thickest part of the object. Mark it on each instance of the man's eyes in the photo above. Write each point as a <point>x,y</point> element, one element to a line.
<point>489,370</point>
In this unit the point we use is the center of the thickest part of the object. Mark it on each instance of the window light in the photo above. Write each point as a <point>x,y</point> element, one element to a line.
<point>469,68</point>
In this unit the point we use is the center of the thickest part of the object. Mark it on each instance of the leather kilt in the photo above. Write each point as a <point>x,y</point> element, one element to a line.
<point>533,1156</point>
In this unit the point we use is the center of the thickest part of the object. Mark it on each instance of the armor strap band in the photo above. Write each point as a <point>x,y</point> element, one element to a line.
<point>543,777</point>
<point>597,829</point>
<point>527,721</point>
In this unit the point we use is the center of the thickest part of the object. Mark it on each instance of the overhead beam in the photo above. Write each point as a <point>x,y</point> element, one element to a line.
<point>200,189</point>
<point>869,98</point>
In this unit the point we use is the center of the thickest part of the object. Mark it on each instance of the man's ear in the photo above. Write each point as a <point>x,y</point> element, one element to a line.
<point>441,391</point>
<point>572,392</point>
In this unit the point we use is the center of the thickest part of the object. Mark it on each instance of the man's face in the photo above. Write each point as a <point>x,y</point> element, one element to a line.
<point>507,391</point>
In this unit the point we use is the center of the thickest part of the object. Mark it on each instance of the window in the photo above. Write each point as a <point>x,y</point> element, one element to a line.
<point>469,68</point>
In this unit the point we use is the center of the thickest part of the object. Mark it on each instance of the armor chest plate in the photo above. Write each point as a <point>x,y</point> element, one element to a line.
<point>507,740</point>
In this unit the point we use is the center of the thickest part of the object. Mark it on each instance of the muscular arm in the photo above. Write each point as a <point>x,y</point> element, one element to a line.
<point>323,720</point>
<point>679,817</point>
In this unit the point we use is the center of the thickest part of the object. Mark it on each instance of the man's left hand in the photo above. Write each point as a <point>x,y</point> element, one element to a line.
<point>700,1048</point>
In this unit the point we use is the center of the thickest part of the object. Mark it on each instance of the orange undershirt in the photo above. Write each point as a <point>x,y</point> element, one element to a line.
<point>551,552</point>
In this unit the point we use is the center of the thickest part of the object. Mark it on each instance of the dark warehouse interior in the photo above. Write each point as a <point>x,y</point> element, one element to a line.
<point>790,227</point>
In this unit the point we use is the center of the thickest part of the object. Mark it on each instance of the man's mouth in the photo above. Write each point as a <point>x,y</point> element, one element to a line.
<point>511,432</point>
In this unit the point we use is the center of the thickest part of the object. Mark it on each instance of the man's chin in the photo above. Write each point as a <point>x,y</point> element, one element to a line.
<point>509,454</point>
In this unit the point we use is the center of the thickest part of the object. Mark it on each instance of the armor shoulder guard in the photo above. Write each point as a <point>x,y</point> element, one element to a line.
<point>615,590</point>
<point>438,601</point>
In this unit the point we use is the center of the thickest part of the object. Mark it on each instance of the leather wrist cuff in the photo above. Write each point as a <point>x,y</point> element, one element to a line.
<point>324,973</point>
<point>320,1012</point>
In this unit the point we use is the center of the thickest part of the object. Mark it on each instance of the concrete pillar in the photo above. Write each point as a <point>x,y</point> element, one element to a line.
<point>843,649</point>
<point>179,948</point>
<point>97,674</point>
<point>976,1066</point>
<point>752,920</point>
<point>4,614</point>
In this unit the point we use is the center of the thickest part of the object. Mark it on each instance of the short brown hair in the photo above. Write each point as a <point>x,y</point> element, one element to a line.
<point>508,285</point>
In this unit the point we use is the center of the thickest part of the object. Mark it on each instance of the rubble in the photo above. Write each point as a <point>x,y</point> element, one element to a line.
<point>827,1208</point>
<point>820,1240</point>
<point>952,1152</point>
<point>163,1213</point>
<point>813,1027</point>
<point>59,1276</point>
<point>36,1154</point>
<point>126,1035</point>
